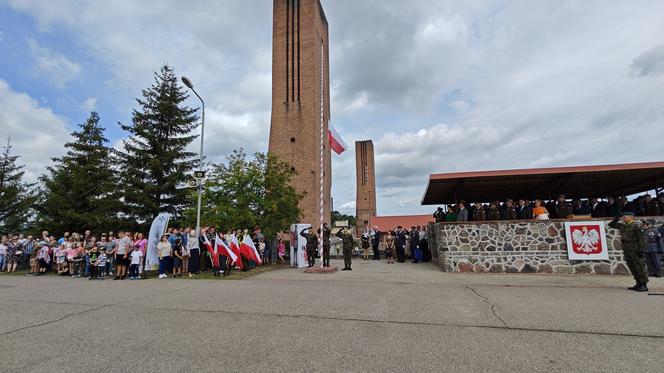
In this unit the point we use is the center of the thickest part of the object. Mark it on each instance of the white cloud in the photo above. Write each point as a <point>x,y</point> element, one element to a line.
<point>37,134</point>
<point>56,67</point>
<point>89,103</point>
<point>439,86</point>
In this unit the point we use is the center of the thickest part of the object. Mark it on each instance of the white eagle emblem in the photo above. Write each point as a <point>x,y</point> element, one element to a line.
<point>586,240</point>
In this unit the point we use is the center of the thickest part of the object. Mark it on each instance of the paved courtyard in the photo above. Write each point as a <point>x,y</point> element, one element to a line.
<point>379,317</point>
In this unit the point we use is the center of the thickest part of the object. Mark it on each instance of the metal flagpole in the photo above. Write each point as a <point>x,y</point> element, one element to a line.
<point>322,176</point>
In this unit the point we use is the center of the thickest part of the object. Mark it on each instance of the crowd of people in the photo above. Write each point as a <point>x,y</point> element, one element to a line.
<point>560,208</point>
<point>122,255</point>
<point>400,242</point>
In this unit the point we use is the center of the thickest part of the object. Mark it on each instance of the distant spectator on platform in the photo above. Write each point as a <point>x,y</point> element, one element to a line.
<point>580,208</point>
<point>563,208</point>
<point>478,212</point>
<point>612,207</point>
<point>597,208</point>
<point>462,213</point>
<point>509,212</point>
<point>539,211</point>
<point>493,213</point>
<point>651,206</point>
<point>450,216</point>
<point>439,215</point>
<point>523,210</point>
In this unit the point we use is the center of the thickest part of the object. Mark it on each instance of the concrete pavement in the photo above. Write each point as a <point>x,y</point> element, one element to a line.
<point>379,317</point>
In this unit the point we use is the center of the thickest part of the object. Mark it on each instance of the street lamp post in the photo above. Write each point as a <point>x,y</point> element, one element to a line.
<point>187,82</point>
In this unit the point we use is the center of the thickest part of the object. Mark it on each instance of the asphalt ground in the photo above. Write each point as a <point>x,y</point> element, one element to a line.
<point>378,318</point>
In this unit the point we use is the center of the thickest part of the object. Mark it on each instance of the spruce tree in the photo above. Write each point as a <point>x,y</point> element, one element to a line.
<point>16,196</point>
<point>80,190</point>
<point>155,159</point>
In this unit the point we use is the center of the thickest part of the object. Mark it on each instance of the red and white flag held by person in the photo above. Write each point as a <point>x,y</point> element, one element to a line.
<point>235,248</point>
<point>336,142</point>
<point>214,257</point>
<point>224,250</point>
<point>248,249</point>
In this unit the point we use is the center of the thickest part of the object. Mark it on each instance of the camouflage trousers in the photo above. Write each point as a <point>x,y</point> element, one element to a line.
<point>637,266</point>
<point>347,258</point>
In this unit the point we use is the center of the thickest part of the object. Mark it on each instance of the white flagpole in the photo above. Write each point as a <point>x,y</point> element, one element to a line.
<point>322,176</point>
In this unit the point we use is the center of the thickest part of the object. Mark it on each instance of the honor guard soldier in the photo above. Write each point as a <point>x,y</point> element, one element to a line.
<point>633,244</point>
<point>312,245</point>
<point>348,244</point>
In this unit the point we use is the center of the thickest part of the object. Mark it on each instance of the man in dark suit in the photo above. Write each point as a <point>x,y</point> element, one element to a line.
<point>597,208</point>
<point>462,214</point>
<point>401,244</point>
<point>524,211</point>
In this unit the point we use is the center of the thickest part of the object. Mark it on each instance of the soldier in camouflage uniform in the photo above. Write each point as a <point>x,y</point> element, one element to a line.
<point>326,244</point>
<point>633,243</point>
<point>312,245</point>
<point>348,244</point>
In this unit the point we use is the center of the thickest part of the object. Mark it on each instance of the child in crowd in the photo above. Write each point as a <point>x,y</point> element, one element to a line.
<point>185,257</point>
<point>136,256</point>
<point>78,259</point>
<point>61,260</point>
<point>177,258</point>
<point>34,261</point>
<point>43,256</point>
<point>101,263</point>
<point>261,250</point>
<point>281,247</point>
<point>94,258</point>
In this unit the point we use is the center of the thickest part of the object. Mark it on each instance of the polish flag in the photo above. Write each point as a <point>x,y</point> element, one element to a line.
<point>224,250</point>
<point>212,250</point>
<point>248,249</point>
<point>235,248</point>
<point>336,142</point>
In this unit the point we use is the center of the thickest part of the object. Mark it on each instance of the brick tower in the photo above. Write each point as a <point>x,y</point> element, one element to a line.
<point>301,102</point>
<point>365,200</point>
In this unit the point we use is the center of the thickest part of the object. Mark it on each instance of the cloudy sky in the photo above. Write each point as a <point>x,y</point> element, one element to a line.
<point>439,86</point>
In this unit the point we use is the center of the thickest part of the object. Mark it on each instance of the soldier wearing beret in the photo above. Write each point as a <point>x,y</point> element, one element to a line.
<point>633,245</point>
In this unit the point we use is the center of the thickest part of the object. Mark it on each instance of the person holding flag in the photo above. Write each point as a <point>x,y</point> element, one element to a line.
<point>225,251</point>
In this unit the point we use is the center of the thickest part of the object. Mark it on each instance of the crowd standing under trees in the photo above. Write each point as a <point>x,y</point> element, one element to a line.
<point>94,187</point>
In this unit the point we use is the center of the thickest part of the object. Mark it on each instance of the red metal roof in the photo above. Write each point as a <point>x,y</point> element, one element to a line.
<point>385,223</point>
<point>579,181</point>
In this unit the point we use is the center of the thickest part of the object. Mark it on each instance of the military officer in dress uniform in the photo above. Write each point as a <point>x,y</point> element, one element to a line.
<point>478,212</point>
<point>633,244</point>
<point>348,244</point>
<point>493,213</point>
<point>312,245</point>
<point>510,211</point>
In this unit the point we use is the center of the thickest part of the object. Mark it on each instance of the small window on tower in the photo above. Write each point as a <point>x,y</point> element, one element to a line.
<point>292,139</point>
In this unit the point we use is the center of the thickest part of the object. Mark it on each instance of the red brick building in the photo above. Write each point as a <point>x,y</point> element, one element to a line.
<point>301,101</point>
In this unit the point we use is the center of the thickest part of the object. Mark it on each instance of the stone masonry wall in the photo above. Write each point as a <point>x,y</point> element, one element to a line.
<point>518,247</point>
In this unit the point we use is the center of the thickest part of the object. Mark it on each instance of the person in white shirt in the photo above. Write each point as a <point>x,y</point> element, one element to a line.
<point>122,250</point>
<point>135,263</point>
<point>164,250</point>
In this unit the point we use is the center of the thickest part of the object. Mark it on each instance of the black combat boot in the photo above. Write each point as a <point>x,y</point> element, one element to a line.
<point>641,287</point>
<point>633,287</point>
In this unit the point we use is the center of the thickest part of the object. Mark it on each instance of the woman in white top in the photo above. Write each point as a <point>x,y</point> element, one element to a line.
<point>164,250</point>
<point>194,254</point>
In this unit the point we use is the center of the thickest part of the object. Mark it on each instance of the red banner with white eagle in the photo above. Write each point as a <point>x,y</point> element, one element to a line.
<point>586,240</point>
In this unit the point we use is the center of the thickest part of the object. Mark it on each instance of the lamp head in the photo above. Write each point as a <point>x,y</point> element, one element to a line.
<point>187,82</point>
